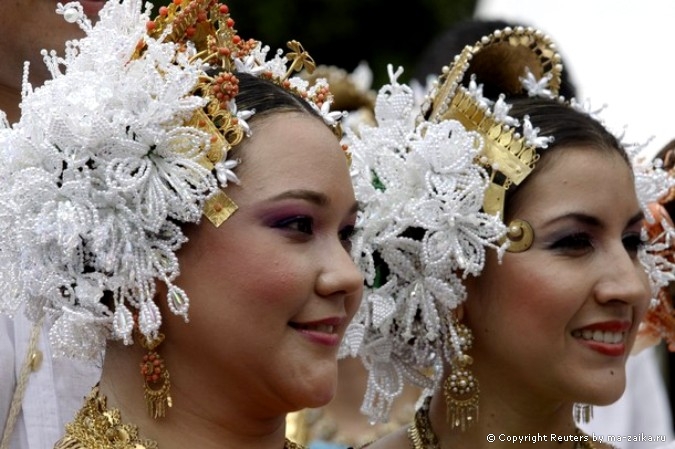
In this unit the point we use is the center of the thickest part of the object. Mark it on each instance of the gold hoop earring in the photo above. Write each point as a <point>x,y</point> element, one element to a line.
<point>460,388</point>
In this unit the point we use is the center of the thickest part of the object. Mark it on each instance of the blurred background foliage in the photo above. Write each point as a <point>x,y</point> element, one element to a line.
<point>345,32</point>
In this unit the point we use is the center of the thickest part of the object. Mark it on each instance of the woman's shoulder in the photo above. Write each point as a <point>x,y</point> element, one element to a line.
<point>395,440</point>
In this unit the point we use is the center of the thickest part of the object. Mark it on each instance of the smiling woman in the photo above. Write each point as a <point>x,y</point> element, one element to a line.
<point>502,247</point>
<point>155,179</point>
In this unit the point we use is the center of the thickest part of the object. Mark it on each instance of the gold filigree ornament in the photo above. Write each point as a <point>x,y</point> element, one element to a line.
<point>156,381</point>
<point>461,388</point>
<point>422,436</point>
<point>206,26</point>
<point>505,56</point>
<point>520,235</point>
<point>97,427</point>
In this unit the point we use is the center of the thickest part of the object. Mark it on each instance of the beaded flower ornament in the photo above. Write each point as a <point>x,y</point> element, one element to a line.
<point>432,181</point>
<point>660,320</point>
<point>127,140</point>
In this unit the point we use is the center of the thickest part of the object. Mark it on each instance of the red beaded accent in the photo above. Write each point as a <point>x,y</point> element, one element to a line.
<point>152,367</point>
<point>207,27</point>
<point>661,318</point>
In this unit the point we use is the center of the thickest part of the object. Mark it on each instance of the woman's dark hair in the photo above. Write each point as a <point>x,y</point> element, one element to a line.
<point>568,127</point>
<point>266,97</point>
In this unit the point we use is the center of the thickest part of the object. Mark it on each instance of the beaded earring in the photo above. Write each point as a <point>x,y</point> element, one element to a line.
<point>461,388</point>
<point>583,413</point>
<point>156,383</point>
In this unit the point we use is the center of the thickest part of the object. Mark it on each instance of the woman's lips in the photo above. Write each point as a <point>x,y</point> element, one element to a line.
<point>607,338</point>
<point>600,336</point>
<point>324,332</point>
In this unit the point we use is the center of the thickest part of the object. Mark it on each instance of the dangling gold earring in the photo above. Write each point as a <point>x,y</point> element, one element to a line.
<point>156,387</point>
<point>461,388</point>
<point>583,413</point>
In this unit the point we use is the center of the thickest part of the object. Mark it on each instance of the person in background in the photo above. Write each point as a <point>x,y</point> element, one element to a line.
<point>29,27</point>
<point>37,392</point>
<point>659,325</point>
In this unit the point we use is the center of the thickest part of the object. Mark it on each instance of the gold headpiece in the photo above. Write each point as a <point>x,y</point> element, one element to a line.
<point>502,57</point>
<point>206,27</point>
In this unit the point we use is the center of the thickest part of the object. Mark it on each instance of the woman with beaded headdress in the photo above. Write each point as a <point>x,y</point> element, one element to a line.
<point>147,126</point>
<point>659,324</point>
<point>502,243</point>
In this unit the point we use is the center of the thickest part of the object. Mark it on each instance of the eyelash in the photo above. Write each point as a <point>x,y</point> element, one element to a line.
<point>573,242</point>
<point>299,223</point>
<point>305,225</point>
<point>581,241</point>
<point>633,242</point>
<point>346,235</point>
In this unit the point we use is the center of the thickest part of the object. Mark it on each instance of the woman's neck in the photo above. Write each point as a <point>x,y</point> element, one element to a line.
<point>527,421</point>
<point>341,422</point>
<point>209,424</point>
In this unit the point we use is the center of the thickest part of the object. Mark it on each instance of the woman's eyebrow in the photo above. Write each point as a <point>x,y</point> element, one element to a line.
<point>308,195</point>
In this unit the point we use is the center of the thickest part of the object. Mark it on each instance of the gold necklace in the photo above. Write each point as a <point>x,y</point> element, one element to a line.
<point>422,436</point>
<point>96,427</point>
<point>420,433</point>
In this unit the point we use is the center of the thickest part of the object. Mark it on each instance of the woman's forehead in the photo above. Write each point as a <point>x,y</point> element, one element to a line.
<point>578,177</point>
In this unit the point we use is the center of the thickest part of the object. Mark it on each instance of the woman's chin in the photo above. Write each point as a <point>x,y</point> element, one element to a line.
<point>607,395</point>
<point>321,393</point>
<point>321,397</point>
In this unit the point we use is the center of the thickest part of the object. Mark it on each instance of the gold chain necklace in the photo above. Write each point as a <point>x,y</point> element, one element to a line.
<point>422,436</point>
<point>97,427</point>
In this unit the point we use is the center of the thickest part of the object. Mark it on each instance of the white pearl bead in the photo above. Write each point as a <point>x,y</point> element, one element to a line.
<point>71,15</point>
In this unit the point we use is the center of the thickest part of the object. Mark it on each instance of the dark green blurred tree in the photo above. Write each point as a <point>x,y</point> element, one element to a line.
<point>346,32</point>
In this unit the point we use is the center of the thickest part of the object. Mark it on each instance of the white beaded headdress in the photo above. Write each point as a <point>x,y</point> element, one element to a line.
<point>660,232</point>
<point>129,139</point>
<point>432,183</point>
